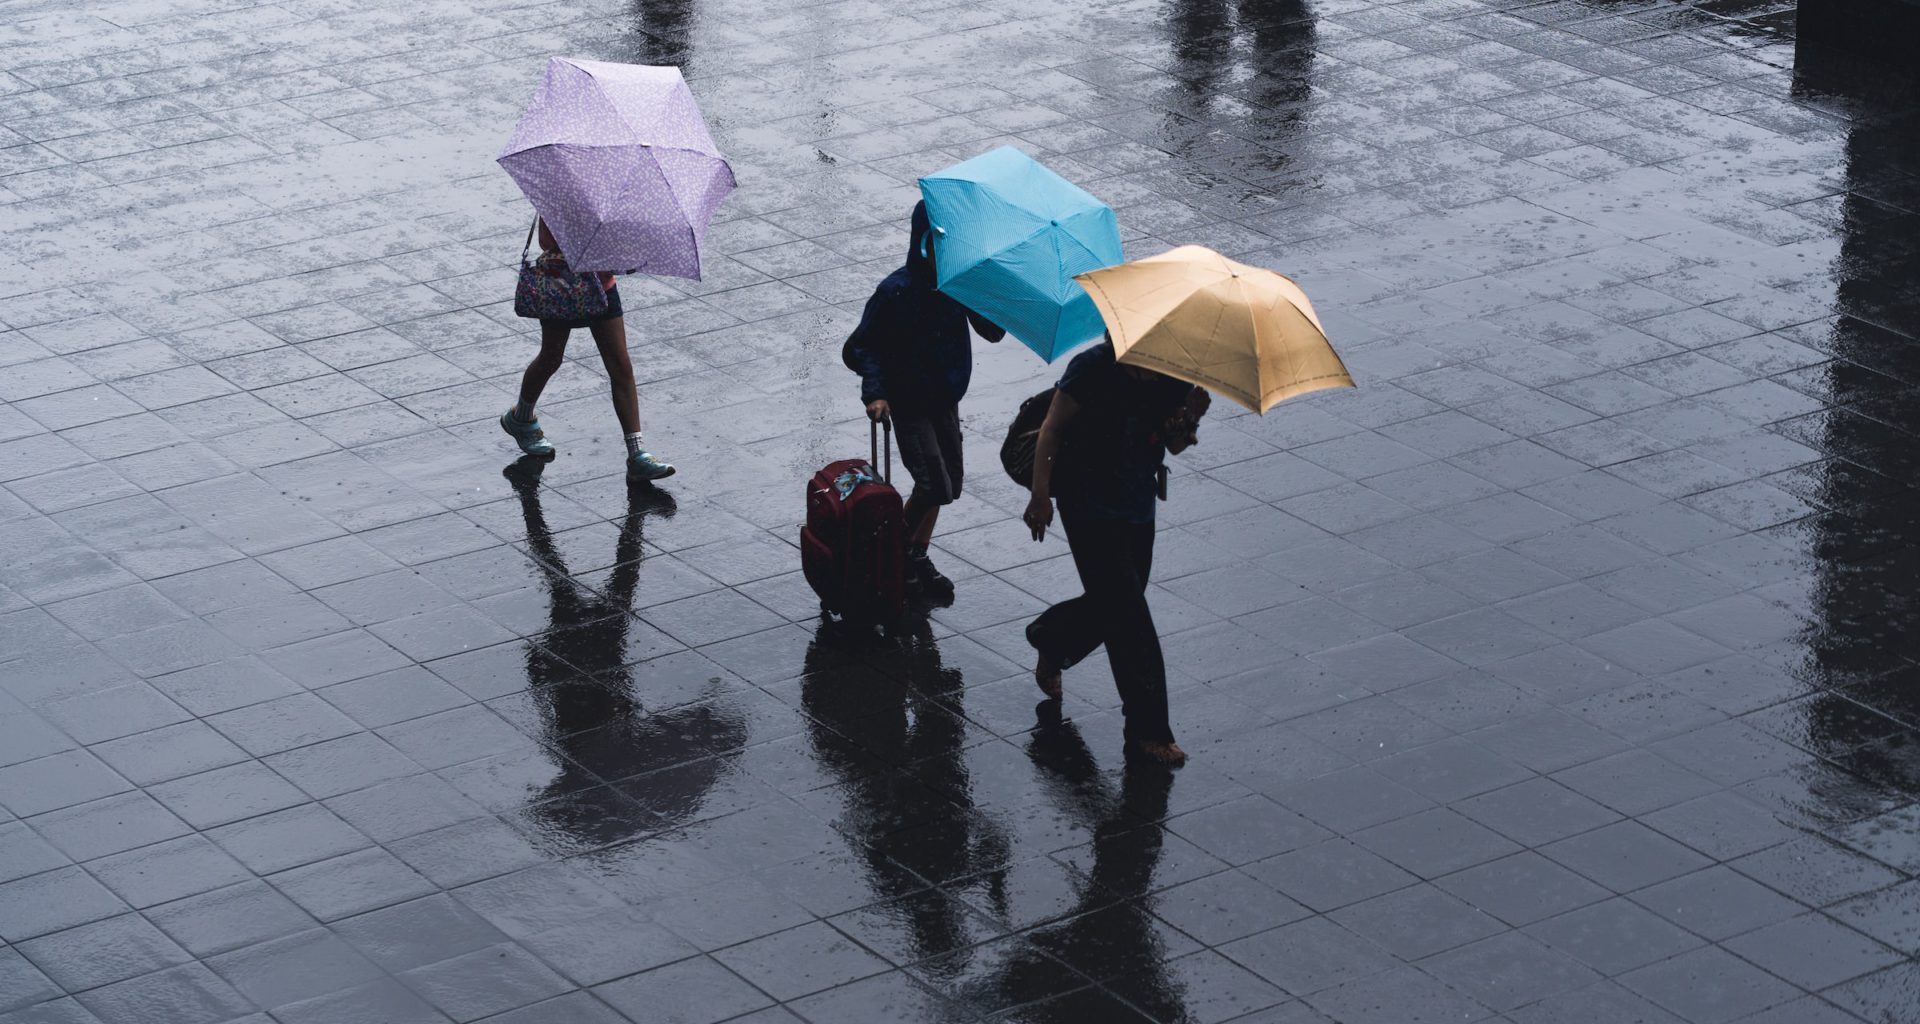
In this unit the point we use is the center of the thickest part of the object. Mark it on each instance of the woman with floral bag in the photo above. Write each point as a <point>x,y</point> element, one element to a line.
<point>562,300</point>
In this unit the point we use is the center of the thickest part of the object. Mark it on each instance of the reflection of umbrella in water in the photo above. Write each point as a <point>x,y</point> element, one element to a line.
<point>621,771</point>
<point>620,165</point>
<point>1246,333</point>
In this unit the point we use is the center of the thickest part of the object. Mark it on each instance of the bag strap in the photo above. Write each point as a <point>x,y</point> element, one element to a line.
<point>527,246</point>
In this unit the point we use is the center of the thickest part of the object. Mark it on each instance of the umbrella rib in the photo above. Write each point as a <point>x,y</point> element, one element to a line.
<point>1259,352</point>
<point>1119,328</point>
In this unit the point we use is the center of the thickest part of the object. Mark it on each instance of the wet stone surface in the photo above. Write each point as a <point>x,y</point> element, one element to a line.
<point>1563,672</point>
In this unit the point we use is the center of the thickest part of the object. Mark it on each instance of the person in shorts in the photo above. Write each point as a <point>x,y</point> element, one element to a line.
<point>914,355</point>
<point>609,331</point>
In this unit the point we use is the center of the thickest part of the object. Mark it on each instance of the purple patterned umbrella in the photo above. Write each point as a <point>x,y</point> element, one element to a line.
<point>619,163</point>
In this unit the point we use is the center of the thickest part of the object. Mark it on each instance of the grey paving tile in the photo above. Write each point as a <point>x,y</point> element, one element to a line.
<point>1330,875</point>
<point>228,918</point>
<point>1223,907</point>
<point>1814,871</point>
<point>1417,921</point>
<point>1837,952</point>
<point>53,901</point>
<point>1308,956</point>
<point>1435,842</point>
<point>384,999</point>
<point>168,871</point>
<point>1604,1001</point>
<point>294,968</point>
<point>351,884</point>
<point>108,826</point>
<point>1510,970</point>
<point>695,990</point>
<point>1883,994</point>
<point>1624,856</point>
<point>1708,984</point>
<point>29,988</point>
<point>186,993</point>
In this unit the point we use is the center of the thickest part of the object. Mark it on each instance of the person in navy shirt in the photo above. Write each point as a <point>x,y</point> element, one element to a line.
<point>1101,454</point>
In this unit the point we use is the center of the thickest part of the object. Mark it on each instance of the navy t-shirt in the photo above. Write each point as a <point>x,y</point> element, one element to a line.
<point>1110,462</point>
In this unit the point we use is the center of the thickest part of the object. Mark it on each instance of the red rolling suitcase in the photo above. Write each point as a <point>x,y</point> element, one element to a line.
<point>854,546</point>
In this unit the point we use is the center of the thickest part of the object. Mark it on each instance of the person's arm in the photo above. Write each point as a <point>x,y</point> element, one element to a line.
<point>1039,513</point>
<point>862,357</point>
<point>986,328</point>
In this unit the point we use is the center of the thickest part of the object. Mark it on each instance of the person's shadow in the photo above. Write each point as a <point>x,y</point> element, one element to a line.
<point>623,771</point>
<point>881,717</point>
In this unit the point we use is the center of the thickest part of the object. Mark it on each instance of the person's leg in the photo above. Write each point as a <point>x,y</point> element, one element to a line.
<point>1133,648</point>
<point>1115,560</point>
<point>921,517</point>
<point>1066,633</point>
<point>553,353</point>
<point>1057,635</point>
<point>610,336</point>
<point>519,422</point>
<point>944,427</point>
<point>922,452</point>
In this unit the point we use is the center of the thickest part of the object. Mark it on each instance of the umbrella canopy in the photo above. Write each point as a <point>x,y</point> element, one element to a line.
<point>1243,332</point>
<point>1009,237</point>
<point>620,165</point>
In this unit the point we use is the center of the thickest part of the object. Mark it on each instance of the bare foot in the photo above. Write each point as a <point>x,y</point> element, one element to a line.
<point>1163,752</point>
<point>1046,674</point>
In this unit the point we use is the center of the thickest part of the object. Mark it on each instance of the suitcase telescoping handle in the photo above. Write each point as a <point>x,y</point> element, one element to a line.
<point>874,435</point>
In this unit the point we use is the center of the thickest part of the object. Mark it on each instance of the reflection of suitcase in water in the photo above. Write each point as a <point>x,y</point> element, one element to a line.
<point>854,546</point>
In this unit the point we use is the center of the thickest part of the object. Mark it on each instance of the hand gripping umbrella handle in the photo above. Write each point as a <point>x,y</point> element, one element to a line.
<point>873,431</point>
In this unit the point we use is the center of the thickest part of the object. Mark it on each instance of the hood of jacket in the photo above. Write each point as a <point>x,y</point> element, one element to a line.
<point>919,263</point>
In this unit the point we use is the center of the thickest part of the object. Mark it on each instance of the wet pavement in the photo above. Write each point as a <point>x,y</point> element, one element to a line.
<point>1563,673</point>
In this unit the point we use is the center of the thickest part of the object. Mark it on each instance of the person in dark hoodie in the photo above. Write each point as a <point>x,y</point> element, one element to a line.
<point>914,357</point>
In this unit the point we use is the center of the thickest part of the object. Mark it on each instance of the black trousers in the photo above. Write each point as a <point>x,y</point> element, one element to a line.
<point>1114,559</point>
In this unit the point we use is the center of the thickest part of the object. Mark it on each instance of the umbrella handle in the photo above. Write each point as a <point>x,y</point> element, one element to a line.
<point>873,435</point>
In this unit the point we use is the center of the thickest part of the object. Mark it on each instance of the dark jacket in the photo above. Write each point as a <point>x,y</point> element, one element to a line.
<point>912,347</point>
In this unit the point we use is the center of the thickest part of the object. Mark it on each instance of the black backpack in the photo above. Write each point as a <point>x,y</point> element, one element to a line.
<point>1023,435</point>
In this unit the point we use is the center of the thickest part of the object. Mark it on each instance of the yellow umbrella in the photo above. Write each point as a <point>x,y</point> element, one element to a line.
<point>1243,332</point>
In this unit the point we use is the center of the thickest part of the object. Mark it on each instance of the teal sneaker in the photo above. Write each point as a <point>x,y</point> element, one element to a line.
<point>644,467</point>
<point>527,435</point>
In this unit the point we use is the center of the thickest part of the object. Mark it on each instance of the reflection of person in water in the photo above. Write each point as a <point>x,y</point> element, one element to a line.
<point>1862,641</point>
<point>621,770</point>
<point>900,757</point>
<point>1121,937</point>
<point>661,30</point>
<point>1279,44</point>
